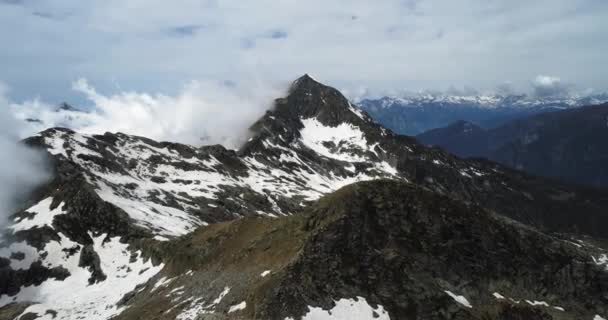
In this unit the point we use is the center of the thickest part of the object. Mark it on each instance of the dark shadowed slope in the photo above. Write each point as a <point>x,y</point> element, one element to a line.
<point>571,145</point>
<point>386,248</point>
<point>416,114</point>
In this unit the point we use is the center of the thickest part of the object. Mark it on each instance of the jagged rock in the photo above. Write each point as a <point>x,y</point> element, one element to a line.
<point>90,259</point>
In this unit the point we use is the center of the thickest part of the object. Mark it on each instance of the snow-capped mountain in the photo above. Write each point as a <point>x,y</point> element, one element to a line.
<point>131,228</point>
<point>418,113</point>
<point>490,101</point>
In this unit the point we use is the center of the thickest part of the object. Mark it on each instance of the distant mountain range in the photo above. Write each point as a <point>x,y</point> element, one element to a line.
<point>568,144</point>
<point>415,114</point>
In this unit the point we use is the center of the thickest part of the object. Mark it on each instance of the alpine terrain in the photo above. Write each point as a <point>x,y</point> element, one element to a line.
<point>569,144</point>
<point>418,113</point>
<point>322,214</point>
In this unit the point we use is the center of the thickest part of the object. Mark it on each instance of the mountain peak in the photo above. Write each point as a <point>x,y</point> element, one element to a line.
<point>305,81</point>
<point>309,98</point>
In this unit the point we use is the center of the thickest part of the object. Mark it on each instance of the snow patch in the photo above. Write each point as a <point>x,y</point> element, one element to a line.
<point>237,307</point>
<point>74,297</point>
<point>347,309</point>
<point>356,111</point>
<point>460,299</point>
<point>344,136</point>
<point>498,296</point>
<point>537,303</point>
<point>43,216</point>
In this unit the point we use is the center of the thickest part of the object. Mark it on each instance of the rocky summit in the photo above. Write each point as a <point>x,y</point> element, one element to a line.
<point>321,214</point>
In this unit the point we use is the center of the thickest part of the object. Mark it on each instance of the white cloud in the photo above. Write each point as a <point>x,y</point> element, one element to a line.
<point>546,81</point>
<point>549,86</point>
<point>21,168</point>
<point>388,44</point>
<point>201,113</point>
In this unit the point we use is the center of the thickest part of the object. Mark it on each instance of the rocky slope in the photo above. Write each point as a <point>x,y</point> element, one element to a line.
<point>127,221</point>
<point>571,145</point>
<point>381,249</point>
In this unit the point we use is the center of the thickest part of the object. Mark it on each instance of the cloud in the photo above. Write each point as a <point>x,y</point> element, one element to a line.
<point>548,86</point>
<point>185,31</point>
<point>278,34</point>
<point>505,89</point>
<point>201,113</point>
<point>478,43</point>
<point>12,2</point>
<point>22,168</point>
<point>465,91</point>
<point>46,15</point>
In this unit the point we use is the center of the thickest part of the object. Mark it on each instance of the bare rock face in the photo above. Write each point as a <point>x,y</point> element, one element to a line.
<point>140,229</point>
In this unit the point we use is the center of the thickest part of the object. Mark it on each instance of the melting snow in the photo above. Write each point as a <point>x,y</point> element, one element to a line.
<point>314,134</point>
<point>198,306</point>
<point>237,307</point>
<point>460,299</point>
<point>530,302</point>
<point>356,111</point>
<point>347,309</point>
<point>602,260</point>
<point>43,216</point>
<point>162,197</point>
<point>221,296</point>
<point>162,282</point>
<point>537,303</point>
<point>192,312</point>
<point>74,297</point>
<point>498,296</point>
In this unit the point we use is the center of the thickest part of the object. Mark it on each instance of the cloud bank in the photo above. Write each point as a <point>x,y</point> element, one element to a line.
<point>21,168</point>
<point>548,86</point>
<point>201,113</point>
<point>157,46</point>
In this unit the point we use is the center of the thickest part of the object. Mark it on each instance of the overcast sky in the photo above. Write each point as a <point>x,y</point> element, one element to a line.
<point>356,45</point>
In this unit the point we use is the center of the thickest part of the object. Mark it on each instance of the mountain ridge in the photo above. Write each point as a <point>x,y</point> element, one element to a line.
<point>567,145</point>
<point>119,206</point>
<point>417,114</point>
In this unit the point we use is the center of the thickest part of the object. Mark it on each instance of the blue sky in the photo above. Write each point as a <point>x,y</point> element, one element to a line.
<point>359,46</point>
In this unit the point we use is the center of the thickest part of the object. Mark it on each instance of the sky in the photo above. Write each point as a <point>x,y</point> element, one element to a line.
<point>363,47</point>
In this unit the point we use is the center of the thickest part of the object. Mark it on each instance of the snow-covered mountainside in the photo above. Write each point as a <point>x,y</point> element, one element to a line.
<point>415,114</point>
<point>139,229</point>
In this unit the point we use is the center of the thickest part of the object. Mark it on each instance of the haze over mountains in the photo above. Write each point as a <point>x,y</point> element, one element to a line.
<point>415,114</point>
<point>571,145</point>
<point>322,213</point>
